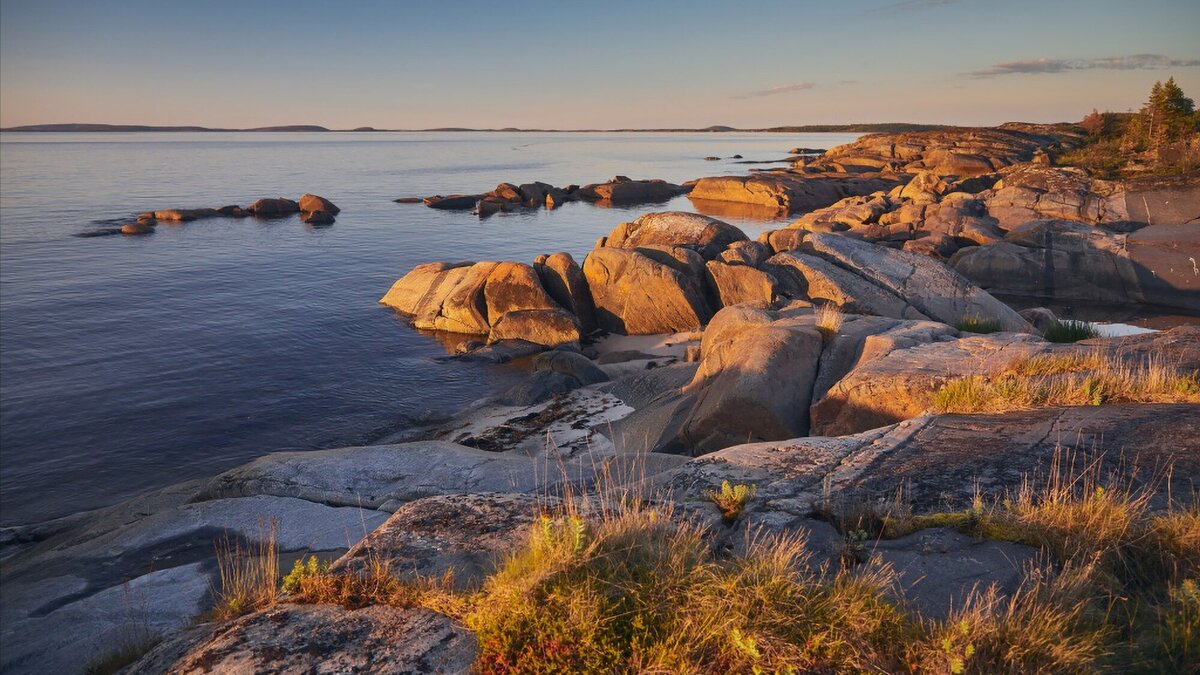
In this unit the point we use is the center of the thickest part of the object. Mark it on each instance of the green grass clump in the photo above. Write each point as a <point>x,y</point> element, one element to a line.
<point>732,499</point>
<point>978,324</point>
<point>1070,331</point>
<point>248,574</point>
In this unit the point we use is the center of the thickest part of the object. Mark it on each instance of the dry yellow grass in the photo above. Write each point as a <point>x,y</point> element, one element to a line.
<point>1081,378</point>
<point>248,574</point>
<point>829,320</point>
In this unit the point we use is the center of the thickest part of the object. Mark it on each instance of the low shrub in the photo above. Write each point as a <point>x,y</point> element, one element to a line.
<point>732,499</point>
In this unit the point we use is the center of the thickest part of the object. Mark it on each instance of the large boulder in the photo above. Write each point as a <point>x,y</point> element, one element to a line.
<point>813,278</point>
<point>734,284</point>
<point>935,290</point>
<point>563,279</point>
<point>895,381</point>
<point>513,286</point>
<point>943,152</point>
<point>708,236</point>
<point>636,294</point>
<point>548,327</point>
<point>444,296</point>
<point>754,382</point>
<point>1069,261</point>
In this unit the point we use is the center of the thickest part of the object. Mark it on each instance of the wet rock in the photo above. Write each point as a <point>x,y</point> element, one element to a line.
<point>452,202</point>
<point>141,227</point>
<point>233,211</point>
<point>409,200</point>
<point>622,190</point>
<point>183,215</point>
<point>312,203</point>
<point>318,218</point>
<point>273,208</point>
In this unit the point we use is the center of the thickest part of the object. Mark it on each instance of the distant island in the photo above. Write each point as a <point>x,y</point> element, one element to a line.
<point>886,127</point>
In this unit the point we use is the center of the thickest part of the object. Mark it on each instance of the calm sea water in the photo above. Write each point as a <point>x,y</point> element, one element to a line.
<point>128,363</point>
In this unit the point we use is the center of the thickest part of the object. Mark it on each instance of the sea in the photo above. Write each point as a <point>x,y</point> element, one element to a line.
<point>131,363</point>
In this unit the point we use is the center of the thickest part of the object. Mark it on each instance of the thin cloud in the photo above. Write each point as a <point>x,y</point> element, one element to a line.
<point>1042,66</point>
<point>781,89</point>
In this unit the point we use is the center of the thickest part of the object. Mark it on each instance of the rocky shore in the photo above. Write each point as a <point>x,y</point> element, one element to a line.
<point>856,354</point>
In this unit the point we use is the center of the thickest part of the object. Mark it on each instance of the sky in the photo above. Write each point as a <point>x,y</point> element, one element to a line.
<point>569,64</point>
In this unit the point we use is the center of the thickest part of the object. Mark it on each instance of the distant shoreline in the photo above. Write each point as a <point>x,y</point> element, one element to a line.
<point>891,127</point>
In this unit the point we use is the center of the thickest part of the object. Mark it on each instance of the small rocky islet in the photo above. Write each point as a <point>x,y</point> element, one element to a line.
<point>679,354</point>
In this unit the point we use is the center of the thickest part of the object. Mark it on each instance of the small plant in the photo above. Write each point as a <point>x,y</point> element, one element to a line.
<point>732,499</point>
<point>978,324</point>
<point>829,320</point>
<point>1070,331</point>
<point>295,579</point>
<point>248,574</point>
<point>1180,633</point>
<point>854,551</point>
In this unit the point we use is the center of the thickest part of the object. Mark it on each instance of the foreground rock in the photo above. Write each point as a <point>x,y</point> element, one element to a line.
<point>328,638</point>
<point>646,291</point>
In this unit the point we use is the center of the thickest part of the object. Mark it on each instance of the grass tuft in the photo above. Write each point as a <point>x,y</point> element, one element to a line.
<point>978,324</point>
<point>248,573</point>
<point>1070,331</point>
<point>829,320</point>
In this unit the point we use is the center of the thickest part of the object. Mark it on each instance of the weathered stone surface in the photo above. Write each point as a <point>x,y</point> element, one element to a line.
<point>538,387</point>
<point>273,208</point>
<point>378,476</point>
<point>735,284</point>
<point>464,533</point>
<point>563,279</point>
<point>862,338</point>
<point>788,192</point>
<point>1068,261</point>
<point>443,296</point>
<point>1029,192</point>
<point>634,294</point>
<point>948,152</point>
<point>312,203</point>
<point>549,327</point>
<point>754,382</point>
<point>708,236</point>
<point>331,639</point>
<point>813,278</point>
<point>899,382</point>
<point>513,286</point>
<point>932,288</point>
<point>750,253</point>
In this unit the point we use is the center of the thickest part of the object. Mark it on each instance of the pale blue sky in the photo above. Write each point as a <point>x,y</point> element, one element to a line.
<point>575,65</point>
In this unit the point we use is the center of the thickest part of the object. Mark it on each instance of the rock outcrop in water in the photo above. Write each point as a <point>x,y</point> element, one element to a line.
<point>620,191</point>
<point>313,210</point>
